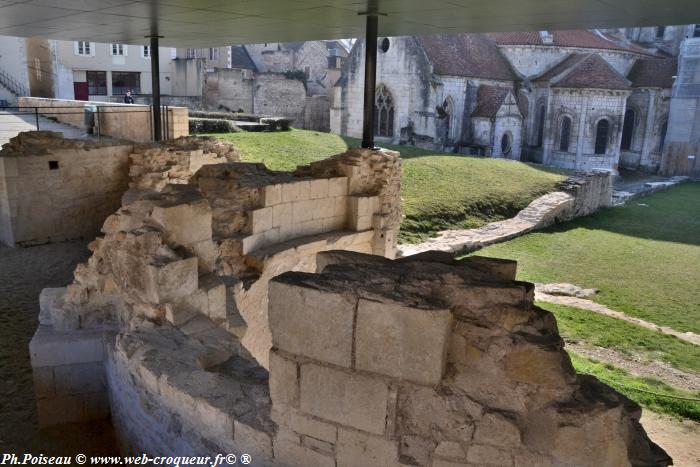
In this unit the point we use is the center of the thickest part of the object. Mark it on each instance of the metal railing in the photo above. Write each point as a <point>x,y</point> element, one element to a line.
<point>92,124</point>
<point>12,85</point>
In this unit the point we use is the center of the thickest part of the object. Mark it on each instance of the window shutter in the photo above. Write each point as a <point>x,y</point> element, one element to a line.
<point>125,49</point>
<point>92,49</point>
<point>111,49</point>
<point>75,47</point>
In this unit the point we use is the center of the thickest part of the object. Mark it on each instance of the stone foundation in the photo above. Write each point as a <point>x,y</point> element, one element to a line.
<point>54,189</point>
<point>423,361</point>
<point>239,310</point>
<point>429,361</point>
<point>197,239</point>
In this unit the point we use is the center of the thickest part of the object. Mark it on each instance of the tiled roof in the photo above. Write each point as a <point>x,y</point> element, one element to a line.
<point>471,55</point>
<point>241,59</point>
<point>573,38</point>
<point>584,71</point>
<point>653,73</point>
<point>488,100</point>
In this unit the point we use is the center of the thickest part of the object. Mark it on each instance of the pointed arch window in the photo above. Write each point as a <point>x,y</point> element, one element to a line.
<point>601,136</point>
<point>627,130</point>
<point>540,126</point>
<point>565,134</point>
<point>662,135</point>
<point>384,113</point>
<point>449,110</point>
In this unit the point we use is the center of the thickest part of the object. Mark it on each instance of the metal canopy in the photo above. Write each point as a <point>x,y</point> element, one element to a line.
<point>208,23</point>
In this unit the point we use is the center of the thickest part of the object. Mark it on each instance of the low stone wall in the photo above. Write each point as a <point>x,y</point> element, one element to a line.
<point>121,121</point>
<point>53,189</point>
<point>423,361</point>
<point>428,361</point>
<point>580,195</point>
<point>198,238</point>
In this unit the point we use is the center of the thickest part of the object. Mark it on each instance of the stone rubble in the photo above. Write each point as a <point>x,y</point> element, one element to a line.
<point>564,289</point>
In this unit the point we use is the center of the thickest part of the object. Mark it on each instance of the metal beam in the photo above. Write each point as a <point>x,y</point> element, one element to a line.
<point>155,86</point>
<point>370,80</point>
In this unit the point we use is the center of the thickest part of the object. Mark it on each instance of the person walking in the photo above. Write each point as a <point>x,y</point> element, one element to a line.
<point>128,98</point>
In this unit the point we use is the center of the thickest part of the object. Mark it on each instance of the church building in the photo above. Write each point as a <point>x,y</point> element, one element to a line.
<point>575,99</point>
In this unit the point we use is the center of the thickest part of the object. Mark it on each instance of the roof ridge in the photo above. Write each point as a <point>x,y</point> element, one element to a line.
<point>570,69</point>
<point>620,75</point>
<point>551,68</point>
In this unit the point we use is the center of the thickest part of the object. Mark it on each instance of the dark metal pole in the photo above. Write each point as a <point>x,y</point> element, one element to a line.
<point>370,80</point>
<point>155,86</point>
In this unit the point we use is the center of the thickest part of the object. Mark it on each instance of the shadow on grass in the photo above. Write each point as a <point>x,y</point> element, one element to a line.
<point>669,216</point>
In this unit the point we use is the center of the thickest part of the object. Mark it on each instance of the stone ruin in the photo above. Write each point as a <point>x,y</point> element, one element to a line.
<point>229,308</point>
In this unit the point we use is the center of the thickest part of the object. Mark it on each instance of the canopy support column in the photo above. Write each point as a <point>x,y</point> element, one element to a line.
<point>155,86</point>
<point>370,80</point>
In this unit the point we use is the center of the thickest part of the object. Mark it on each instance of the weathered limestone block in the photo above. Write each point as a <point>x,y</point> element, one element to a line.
<point>350,399</point>
<point>53,348</point>
<point>358,449</point>
<point>171,280</point>
<point>293,308</point>
<point>53,311</point>
<point>401,341</point>
<point>184,224</point>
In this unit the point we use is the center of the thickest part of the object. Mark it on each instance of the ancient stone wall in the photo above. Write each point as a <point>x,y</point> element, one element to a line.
<point>579,195</point>
<point>317,113</point>
<point>424,361</point>
<point>194,245</point>
<point>53,189</point>
<point>432,362</point>
<point>276,95</point>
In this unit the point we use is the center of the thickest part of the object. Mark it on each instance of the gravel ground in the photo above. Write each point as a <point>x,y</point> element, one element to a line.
<point>23,273</point>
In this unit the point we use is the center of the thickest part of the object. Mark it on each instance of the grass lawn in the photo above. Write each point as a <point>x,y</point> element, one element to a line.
<point>604,331</point>
<point>644,257</point>
<point>440,191</point>
<point>647,392</point>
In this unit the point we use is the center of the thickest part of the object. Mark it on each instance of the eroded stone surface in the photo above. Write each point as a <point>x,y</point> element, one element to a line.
<point>508,394</point>
<point>173,300</point>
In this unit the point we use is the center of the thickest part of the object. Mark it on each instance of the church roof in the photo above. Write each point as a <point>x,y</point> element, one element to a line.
<point>489,100</point>
<point>584,70</point>
<point>653,73</point>
<point>580,38</point>
<point>241,59</point>
<point>471,55</point>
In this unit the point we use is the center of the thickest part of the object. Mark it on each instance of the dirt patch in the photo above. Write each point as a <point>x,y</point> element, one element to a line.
<point>679,438</point>
<point>659,370</point>
<point>23,273</point>
<point>590,305</point>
